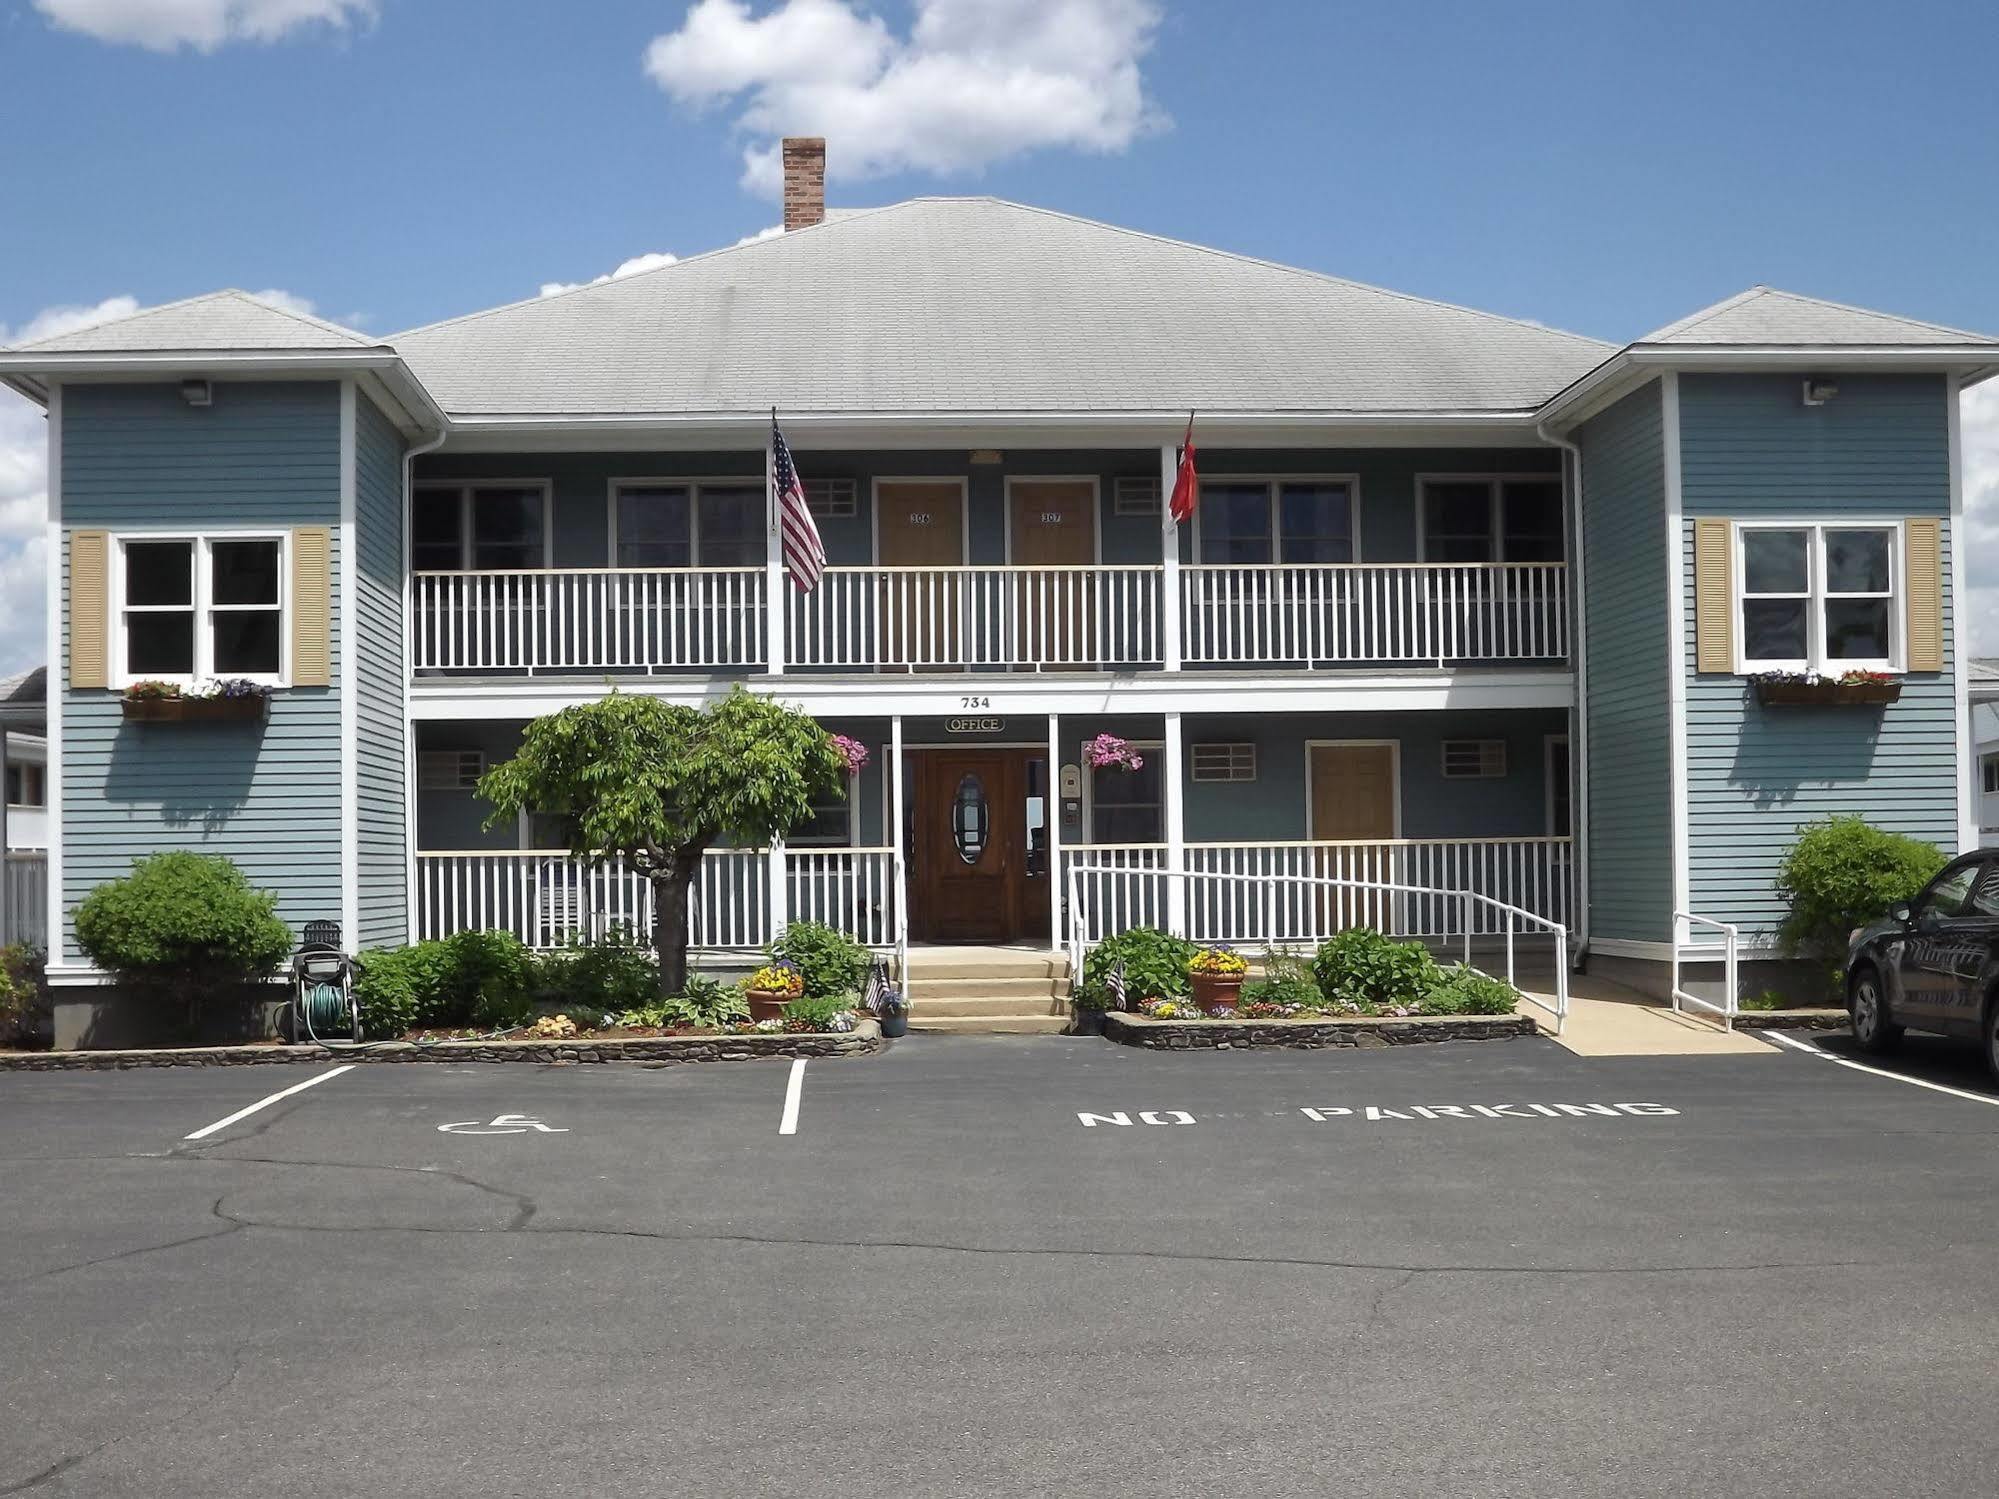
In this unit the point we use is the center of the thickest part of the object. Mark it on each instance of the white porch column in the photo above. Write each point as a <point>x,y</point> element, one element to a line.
<point>1169,581</point>
<point>6,862</point>
<point>895,826</point>
<point>1176,833</point>
<point>774,580</point>
<point>1051,811</point>
<point>779,902</point>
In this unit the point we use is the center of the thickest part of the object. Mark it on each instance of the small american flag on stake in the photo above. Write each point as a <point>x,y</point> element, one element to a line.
<point>804,554</point>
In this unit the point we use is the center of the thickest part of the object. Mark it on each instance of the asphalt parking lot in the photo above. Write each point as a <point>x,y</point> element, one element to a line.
<point>1472,1269</point>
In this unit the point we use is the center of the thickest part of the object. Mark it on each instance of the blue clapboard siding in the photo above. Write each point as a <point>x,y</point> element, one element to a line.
<point>1630,771</point>
<point>580,486</point>
<point>137,457</point>
<point>379,729</point>
<point>1755,775</point>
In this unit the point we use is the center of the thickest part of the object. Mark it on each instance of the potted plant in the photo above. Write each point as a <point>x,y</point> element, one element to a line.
<point>1217,972</point>
<point>1089,1003</point>
<point>1776,689</point>
<point>1108,752</point>
<point>211,700</point>
<point>770,989</point>
<point>887,1003</point>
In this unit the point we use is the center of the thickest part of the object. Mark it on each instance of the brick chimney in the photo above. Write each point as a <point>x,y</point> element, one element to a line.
<point>804,180</point>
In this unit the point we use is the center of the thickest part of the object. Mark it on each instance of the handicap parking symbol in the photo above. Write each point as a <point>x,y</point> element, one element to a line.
<point>505,1124</point>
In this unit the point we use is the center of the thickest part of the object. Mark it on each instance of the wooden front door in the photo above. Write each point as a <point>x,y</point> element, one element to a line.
<point>973,875</point>
<point>1353,801</point>
<point>920,523</point>
<point>1054,525</point>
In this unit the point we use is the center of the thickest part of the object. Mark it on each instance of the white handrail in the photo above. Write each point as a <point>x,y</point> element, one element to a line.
<point>1731,935</point>
<point>1466,899</point>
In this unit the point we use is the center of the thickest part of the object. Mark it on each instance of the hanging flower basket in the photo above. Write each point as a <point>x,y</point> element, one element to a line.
<point>1108,752</point>
<point>1776,689</point>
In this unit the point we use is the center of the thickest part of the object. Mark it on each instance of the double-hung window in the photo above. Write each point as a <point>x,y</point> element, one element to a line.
<point>1128,806</point>
<point>831,823</point>
<point>493,527</point>
<point>1250,521</point>
<point>201,606</point>
<point>1492,519</point>
<point>1818,596</point>
<point>677,524</point>
<point>26,786</point>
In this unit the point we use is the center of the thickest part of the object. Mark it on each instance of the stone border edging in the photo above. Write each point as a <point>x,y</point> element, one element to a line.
<point>650,1051</point>
<point>1369,1031</point>
<point>1791,1020</point>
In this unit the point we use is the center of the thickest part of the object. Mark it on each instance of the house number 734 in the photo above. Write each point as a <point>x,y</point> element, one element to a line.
<point>975,702</point>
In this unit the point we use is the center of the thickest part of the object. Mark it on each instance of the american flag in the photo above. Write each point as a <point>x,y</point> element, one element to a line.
<point>804,554</point>
<point>1114,986</point>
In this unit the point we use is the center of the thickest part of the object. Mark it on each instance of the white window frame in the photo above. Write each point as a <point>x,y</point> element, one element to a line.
<point>851,806</point>
<point>464,489</point>
<point>1147,748</point>
<point>693,486</point>
<point>1815,596</point>
<point>202,605</point>
<point>1495,513</point>
<point>1272,484</point>
<point>34,785</point>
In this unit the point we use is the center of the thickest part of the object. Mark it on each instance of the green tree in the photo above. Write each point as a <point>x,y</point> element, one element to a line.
<point>651,786</point>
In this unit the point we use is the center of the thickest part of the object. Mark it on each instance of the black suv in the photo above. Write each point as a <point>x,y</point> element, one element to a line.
<point>1933,964</point>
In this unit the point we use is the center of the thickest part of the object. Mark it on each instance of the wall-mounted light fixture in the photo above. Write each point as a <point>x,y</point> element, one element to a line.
<point>1818,392</point>
<point>197,392</point>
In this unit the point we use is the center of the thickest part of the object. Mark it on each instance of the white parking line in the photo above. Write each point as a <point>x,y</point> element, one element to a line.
<point>264,1103</point>
<point>1914,1082</point>
<point>788,1125</point>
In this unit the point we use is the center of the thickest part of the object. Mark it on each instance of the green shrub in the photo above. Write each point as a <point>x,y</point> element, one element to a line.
<point>812,1012</point>
<point>831,963</point>
<point>1155,965</point>
<point>1287,980</point>
<point>1362,967</point>
<point>1459,990</point>
<point>183,927</point>
<point>615,973</point>
<point>26,1006</point>
<point>1843,873</point>
<point>482,980</point>
<point>704,1004</point>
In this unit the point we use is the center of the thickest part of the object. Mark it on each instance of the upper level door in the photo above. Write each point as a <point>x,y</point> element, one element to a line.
<point>920,523</point>
<point>1053,526</point>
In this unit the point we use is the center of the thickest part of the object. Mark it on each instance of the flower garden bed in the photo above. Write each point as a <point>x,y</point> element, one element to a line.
<point>1197,1033</point>
<point>655,1050</point>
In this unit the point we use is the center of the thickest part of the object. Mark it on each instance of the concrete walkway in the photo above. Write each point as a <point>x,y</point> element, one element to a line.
<point>1609,1020</point>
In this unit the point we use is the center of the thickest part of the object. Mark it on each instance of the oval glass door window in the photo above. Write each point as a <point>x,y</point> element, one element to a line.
<point>970,819</point>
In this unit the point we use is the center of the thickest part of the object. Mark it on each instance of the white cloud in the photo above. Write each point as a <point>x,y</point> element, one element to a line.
<point>165,25</point>
<point>651,261</point>
<point>975,81</point>
<point>53,322</point>
<point>1980,423</point>
<point>287,301</point>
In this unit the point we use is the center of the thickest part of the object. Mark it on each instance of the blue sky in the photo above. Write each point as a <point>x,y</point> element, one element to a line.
<point>1605,168</point>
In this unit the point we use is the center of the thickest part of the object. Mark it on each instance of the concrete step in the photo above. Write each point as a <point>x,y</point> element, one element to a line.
<point>924,1006</point>
<point>925,985</point>
<point>948,964</point>
<point>997,1025</point>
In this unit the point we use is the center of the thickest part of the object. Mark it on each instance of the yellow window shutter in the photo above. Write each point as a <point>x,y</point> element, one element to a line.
<point>312,606</point>
<point>1714,596</point>
<point>90,608</point>
<point>1923,545</point>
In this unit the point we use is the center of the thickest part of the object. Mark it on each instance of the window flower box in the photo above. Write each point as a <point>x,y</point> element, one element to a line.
<point>1795,690</point>
<point>228,701</point>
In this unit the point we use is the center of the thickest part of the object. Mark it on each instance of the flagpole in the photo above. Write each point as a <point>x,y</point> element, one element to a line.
<point>773,562</point>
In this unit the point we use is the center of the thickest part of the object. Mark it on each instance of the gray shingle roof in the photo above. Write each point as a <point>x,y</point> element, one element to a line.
<point>222,320</point>
<point>1763,316</point>
<point>30,686</point>
<point>973,304</point>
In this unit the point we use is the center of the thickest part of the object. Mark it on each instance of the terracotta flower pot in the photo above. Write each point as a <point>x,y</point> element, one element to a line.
<point>767,1004</point>
<point>1215,992</point>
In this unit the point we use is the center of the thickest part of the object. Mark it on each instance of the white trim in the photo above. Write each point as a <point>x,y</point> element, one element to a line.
<point>1271,483</point>
<point>1815,595</point>
<point>464,487</point>
<point>1086,817</point>
<point>201,583</point>
<point>1169,558</point>
<point>1676,643</point>
<point>1173,811</point>
<point>851,803</point>
<point>1051,820</point>
<point>1495,507</point>
<point>1394,747</point>
<point>1096,511</point>
<point>405,503</point>
<point>964,483</point>
<point>1960,622</point>
<point>57,674</point>
<point>348,680</point>
<point>895,817</point>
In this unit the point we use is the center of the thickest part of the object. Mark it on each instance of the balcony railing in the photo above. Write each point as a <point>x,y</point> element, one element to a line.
<point>957,619</point>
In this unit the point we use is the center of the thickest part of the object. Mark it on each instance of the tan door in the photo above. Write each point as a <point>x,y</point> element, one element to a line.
<point>920,523</point>
<point>1054,525</point>
<point>1353,801</point>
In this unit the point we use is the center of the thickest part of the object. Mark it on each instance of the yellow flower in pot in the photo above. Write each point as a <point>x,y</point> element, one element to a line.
<point>771,988</point>
<point>1217,972</point>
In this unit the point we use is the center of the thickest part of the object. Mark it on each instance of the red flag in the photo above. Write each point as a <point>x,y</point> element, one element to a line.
<point>1186,483</point>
